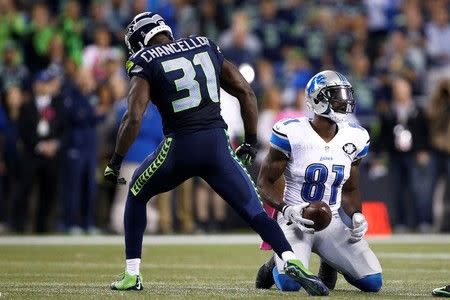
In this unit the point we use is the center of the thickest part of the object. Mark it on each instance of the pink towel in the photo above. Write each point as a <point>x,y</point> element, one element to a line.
<point>272,212</point>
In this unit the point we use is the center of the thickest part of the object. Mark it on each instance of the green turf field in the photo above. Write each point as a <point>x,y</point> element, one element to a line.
<point>198,272</point>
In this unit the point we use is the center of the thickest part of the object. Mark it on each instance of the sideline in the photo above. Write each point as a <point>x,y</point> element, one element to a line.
<point>216,239</point>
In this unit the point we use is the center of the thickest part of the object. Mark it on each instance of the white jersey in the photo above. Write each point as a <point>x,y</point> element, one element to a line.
<point>317,170</point>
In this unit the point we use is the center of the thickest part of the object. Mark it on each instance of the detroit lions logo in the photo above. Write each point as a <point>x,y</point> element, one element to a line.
<point>349,148</point>
<point>318,79</point>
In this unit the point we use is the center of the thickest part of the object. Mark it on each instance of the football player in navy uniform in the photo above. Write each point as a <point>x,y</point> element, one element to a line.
<point>183,78</point>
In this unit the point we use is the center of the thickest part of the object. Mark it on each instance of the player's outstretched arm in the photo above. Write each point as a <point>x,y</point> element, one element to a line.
<point>271,186</point>
<point>351,203</point>
<point>270,180</point>
<point>232,81</point>
<point>138,99</point>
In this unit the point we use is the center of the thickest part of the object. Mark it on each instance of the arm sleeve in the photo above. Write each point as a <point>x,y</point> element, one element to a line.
<point>279,139</point>
<point>363,146</point>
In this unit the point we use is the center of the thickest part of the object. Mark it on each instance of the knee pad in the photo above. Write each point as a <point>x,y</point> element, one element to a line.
<point>369,283</point>
<point>285,283</point>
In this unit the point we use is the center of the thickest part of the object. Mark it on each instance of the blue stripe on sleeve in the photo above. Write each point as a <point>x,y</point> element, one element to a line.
<point>363,152</point>
<point>281,143</point>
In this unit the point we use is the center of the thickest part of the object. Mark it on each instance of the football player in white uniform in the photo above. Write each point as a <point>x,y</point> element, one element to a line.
<point>319,159</point>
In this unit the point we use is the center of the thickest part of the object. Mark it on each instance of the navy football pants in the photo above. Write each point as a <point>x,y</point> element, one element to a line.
<point>206,154</point>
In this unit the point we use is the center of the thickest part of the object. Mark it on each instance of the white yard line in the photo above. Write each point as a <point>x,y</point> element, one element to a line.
<point>225,239</point>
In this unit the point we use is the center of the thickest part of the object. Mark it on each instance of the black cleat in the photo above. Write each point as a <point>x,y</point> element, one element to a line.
<point>264,278</point>
<point>328,275</point>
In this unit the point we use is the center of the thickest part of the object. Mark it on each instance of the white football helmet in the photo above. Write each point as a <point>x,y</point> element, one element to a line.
<point>330,94</point>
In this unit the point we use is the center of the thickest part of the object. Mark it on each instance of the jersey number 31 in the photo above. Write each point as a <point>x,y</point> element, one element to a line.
<point>316,176</point>
<point>188,82</point>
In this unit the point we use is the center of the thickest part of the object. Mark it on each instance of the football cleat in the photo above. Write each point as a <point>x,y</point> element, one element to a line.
<point>312,284</point>
<point>328,275</point>
<point>127,282</point>
<point>264,278</point>
<point>442,292</point>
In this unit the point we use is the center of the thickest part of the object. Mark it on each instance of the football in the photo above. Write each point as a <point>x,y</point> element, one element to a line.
<point>320,213</point>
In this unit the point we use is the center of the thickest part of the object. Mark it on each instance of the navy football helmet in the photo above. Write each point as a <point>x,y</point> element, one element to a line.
<point>143,27</point>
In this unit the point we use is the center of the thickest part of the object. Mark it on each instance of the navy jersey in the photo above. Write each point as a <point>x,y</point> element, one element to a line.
<point>184,82</point>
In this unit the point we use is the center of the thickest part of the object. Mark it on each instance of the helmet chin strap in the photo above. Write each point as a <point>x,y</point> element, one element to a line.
<point>336,117</point>
<point>330,114</point>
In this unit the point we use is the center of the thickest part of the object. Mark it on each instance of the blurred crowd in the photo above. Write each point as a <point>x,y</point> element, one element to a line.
<point>63,92</point>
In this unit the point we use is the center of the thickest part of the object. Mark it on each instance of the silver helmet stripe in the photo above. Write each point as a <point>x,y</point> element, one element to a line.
<point>154,19</point>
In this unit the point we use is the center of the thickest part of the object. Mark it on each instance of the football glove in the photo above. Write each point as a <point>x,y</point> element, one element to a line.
<point>360,227</point>
<point>293,214</point>
<point>246,153</point>
<point>112,175</point>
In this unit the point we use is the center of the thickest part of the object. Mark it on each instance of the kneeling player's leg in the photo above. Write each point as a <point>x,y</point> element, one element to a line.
<point>369,283</point>
<point>284,283</point>
<point>231,181</point>
<point>356,261</point>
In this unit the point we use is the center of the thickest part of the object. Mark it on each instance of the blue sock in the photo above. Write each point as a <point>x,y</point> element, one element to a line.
<point>270,232</point>
<point>284,283</point>
<point>369,283</point>
<point>135,221</point>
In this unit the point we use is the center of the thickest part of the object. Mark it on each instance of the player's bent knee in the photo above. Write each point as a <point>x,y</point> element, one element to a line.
<point>370,283</point>
<point>285,283</point>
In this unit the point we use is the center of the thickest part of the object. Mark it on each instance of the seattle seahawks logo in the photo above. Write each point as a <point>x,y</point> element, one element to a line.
<point>349,148</point>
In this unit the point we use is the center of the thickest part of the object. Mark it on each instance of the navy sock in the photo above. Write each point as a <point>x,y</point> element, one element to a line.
<point>135,221</point>
<point>270,232</point>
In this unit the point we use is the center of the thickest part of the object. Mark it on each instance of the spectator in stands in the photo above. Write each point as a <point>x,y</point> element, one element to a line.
<point>97,17</point>
<point>380,17</point>
<point>13,24</point>
<point>41,131</point>
<point>438,113</point>
<point>96,55</point>
<point>265,77</point>
<point>3,209</point>
<point>363,86</point>
<point>414,26</point>
<point>271,31</point>
<point>210,209</point>
<point>438,36</point>
<point>12,100</point>
<point>56,54</point>
<point>271,106</point>
<point>297,110</point>
<point>118,16</point>
<point>12,73</point>
<point>400,60</point>
<point>187,18</point>
<point>78,187</point>
<point>148,140</point>
<point>38,39</point>
<point>72,26</point>
<point>314,37</point>
<point>404,136</point>
<point>212,19</point>
<point>184,209</point>
<point>238,44</point>
<point>296,72</point>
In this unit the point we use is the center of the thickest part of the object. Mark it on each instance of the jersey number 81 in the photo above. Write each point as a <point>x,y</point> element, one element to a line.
<point>316,176</point>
